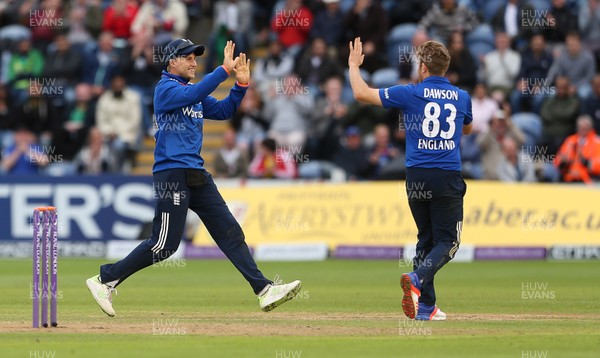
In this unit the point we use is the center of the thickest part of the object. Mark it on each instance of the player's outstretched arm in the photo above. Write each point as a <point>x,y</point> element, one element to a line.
<point>361,90</point>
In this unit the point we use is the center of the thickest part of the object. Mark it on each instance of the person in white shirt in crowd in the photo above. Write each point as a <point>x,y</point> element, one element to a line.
<point>119,117</point>
<point>484,108</point>
<point>276,65</point>
<point>288,108</point>
<point>162,20</point>
<point>501,66</point>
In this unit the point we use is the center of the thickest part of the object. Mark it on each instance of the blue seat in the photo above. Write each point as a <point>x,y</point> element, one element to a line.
<point>531,125</point>
<point>402,32</point>
<point>385,77</point>
<point>491,7</point>
<point>540,4</point>
<point>400,38</point>
<point>346,5</point>
<point>481,33</point>
<point>480,49</point>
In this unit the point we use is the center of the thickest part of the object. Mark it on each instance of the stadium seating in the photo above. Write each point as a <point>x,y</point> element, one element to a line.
<point>400,36</point>
<point>531,125</point>
<point>385,77</point>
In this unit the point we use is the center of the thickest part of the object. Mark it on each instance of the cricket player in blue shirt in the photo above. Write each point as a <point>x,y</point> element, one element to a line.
<point>436,114</point>
<point>180,180</point>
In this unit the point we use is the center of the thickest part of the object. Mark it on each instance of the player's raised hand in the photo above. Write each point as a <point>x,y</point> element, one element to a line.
<point>228,61</point>
<point>242,70</point>
<point>356,56</point>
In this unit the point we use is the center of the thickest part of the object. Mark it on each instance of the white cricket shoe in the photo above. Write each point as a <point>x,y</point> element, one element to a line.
<point>277,295</point>
<point>102,293</point>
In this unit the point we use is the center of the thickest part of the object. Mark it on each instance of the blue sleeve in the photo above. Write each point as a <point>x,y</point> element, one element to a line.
<point>396,96</point>
<point>469,111</point>
<point>173,95</point>
<point>225,108</point>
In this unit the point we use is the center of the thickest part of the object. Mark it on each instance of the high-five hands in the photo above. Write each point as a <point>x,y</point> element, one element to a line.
<point>228,61</point>
<point>242,70</point>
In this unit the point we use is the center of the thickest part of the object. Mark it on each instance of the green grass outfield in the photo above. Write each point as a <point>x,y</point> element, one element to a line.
<point>346,309</point>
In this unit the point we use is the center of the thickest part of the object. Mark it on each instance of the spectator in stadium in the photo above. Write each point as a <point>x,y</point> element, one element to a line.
<point>8,119</point>
<point>408,11</point>
<point>162,20</point>
<point>325,124</point>
<point>71,133</point>
<point>85,21</point>
<point>490,143</point>
<point>101,65</point>
<point>95,157</point>
<point>315,65</point>
<point>558,114</point>
<point>23,64</point>
<point>369,21</point>
<point>591,106</point>
<point>249,121</point>
<point>36,114</point>
<point>409,65</point>
<point>288,109</point>
<point>532,86</point>
<point>561,20</point>
<point>271,161</point>
<point>292,26</point>
<point>446,17</point>
<point>118,18</point>
<point>231,22</point>
<point>231,161</point>
<point>142,71</point>
<point>64,65</point>
<point>576,63</point>
<point>484,108</point>
<point>501,66</point>
<point>510,19</point>
<point>329,24</point>
<point>462,71</point>
<point>382,154</point>
<point>352,157</point>
<point>47,18</point>
<point>365,117</point>
<point>589,27</point>
<point>276,65</point>
<point>515,165</point>
<point>24,157</point>
<point>578,159</point>
<point>118,117</point>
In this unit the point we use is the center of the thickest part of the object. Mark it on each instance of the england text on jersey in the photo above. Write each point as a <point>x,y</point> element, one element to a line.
<point>432,144</point>
<point>440,93</point>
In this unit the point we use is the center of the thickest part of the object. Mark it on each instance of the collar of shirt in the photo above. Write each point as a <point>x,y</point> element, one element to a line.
<point>182,80</point>
<point>436,79</point>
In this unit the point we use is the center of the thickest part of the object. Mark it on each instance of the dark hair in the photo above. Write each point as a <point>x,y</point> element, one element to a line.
<point>269,143</point>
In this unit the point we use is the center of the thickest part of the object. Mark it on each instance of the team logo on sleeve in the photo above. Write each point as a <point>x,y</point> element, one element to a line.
<point>386,93</point>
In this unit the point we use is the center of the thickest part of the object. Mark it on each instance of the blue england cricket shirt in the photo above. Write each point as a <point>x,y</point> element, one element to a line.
<point>180,108</point>
<point>434,114</point>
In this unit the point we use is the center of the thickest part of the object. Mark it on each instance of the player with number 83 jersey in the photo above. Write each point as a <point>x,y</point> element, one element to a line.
<point>436,114</point>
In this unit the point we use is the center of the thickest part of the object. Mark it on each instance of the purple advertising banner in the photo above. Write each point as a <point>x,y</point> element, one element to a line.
<point>368,252</point>
<point>510,253</point>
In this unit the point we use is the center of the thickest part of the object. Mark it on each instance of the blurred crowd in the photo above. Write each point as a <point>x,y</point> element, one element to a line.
<point>77,77</point>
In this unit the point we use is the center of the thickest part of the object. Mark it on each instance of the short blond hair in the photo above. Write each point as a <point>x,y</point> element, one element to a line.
<point>435,56</point>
